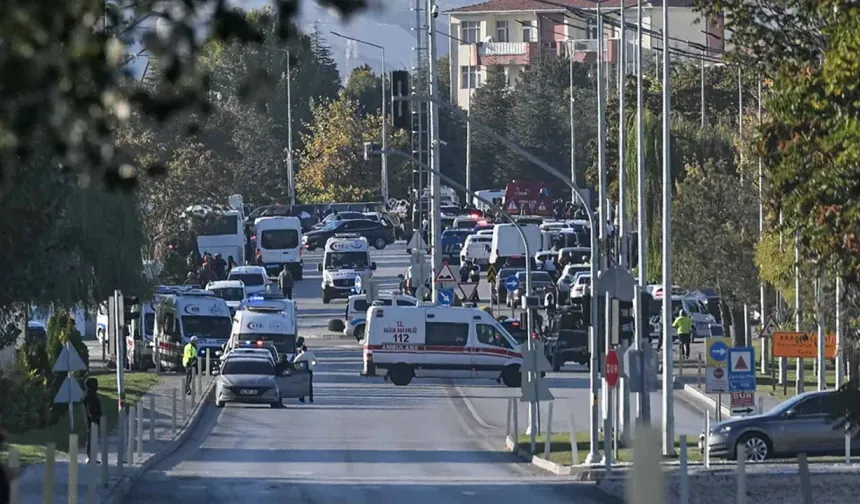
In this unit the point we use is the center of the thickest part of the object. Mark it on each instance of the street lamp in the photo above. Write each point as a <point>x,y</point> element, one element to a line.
<point>291,174</point>
<point>384,118</point>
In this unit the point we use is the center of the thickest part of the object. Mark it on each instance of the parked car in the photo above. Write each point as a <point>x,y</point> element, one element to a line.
<point>377,234</point>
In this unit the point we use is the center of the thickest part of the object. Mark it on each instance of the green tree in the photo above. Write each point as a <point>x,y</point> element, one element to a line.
<point>492,106</point>
<point>365,87</point>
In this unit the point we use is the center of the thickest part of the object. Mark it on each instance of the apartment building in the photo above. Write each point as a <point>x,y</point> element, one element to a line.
<point>513,33</point>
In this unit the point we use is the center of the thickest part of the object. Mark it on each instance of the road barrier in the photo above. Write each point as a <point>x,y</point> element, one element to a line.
<point>508,417</point>
<point>73,469</point>
<point>741,455</point>
<point>93,462</point>
<point>699,370</point>
<point>50,472</point>
<point>705,448</point>
<point>173,411</point>
<point>805,482</point>
<point>103,435</point>
<point>138,413</point>
<point>647,481</point>
<point>130,436</point>
<point>152,419</point>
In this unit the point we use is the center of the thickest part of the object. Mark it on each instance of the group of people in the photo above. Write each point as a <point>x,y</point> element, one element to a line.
<point>212,269</point>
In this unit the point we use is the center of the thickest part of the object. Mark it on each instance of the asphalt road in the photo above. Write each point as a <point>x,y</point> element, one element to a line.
<point>363,441</point>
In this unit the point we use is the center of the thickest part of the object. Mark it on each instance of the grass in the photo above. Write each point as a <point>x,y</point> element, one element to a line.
<point>31,444</point>
<point>560,451</point>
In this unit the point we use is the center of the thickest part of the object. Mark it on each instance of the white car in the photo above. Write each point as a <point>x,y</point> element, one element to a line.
<point>255,278</point>
<point>476,249</point>
<point>568,275</point>
<point>232,291</point>
<point>580,285</point>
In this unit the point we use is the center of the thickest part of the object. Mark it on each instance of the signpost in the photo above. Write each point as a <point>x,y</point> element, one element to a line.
<point>70,392</point>
<point>742,369</point>
<point>611,369</point>
<point>491,274</point>
<point>717,353</point>
<point>802,345</point>
<point>357,287</point>
<point>446,274</point>
<point>511,283</point>
<point>743,403</point>
<point>417,242</point>
<point>445,297</point>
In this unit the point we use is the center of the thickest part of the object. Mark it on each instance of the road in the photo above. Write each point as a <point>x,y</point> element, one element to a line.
<point>363,441</point>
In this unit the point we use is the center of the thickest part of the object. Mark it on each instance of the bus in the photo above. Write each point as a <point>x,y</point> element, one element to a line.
<point>219,231</point>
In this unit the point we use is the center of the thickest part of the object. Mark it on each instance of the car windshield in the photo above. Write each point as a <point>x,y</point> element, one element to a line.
<point>206,327</point>
<point>332,225</point>
<point>537,276</point>
<point>279,239</point>
<point>249,279</point>
<point>247,367</point>
<point>230,293</point>
<point>346,260</point>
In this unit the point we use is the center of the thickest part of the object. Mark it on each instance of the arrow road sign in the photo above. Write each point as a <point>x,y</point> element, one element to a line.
<point>446,297</point>
<point>743,403</point>
<point>717,351</point>
<point>511,283</point>
<point>357,287</point>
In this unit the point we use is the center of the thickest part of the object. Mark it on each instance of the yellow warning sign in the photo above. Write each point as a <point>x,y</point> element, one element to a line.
<point>491,274</point>
<point>802,345</point>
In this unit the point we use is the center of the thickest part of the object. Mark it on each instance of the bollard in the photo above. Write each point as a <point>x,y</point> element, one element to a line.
<point>103,434</point>
<point>607,444</point>
<point>680,364</point>
<point>73,469</point>
<point>194,381</point>
<point>93,456</point>
<point>516,417</point>
<point>574,446</point>
<point>805,483</point>
<point>173,412</point>
<point>199,381</point>
<point>847,446</point>
<point>647,485</point>
<point>15,484</point>
<point>138,413</point>
<point>50,473</point>
<point>760,405</point>
<point>184,407</point>
<point>547,446</point>
<point>130,435</point>
<point>699,370</point>
<point>705,446</point>
<point>120,445</point>
<point>508,417</point>
<point>742,473</point>
<point>684,484</point>
<point>152,418</point>
<point>208,362</point>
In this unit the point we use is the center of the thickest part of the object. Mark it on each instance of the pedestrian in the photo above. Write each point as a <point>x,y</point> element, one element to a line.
<point>285,282</point>
<point>231,263</point>
<point>189,361</point>
<point>93,410</point>
<point>207,274</point>
<point>191,279</point>
<point>465,269</point>
<point>311,360</point>
<point>684,325</point>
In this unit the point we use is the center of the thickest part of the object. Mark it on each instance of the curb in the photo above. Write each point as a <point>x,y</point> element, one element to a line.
<point>118,490</point>
<point>703,398</point>
<point>578,473</point>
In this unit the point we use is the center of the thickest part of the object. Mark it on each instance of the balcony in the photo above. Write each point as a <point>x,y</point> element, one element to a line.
<point>507,53</point>
<point>585,50</point>
<point>522,53</point>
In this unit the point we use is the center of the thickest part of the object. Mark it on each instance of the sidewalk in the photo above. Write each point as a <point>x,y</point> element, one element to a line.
<point>33,478</point>
<point>695,388</point>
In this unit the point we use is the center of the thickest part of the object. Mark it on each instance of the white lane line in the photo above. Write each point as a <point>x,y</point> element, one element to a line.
<point>471,408</point>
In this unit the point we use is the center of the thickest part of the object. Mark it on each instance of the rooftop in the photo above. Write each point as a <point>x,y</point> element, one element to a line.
<point>555,5</point>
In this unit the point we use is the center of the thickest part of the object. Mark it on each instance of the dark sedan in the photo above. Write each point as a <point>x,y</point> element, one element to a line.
<point>503,274</point>
<point>542,284</point>
<point>376,233</point>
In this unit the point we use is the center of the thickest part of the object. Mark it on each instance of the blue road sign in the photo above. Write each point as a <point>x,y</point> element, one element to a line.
<point>511,283</point>
<point>357,287</point>
<point>446,297</point>
<point>742,369</point>
<point>719,351</point>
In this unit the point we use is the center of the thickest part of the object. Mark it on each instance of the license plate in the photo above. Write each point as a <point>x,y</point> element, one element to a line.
<point>248,392</point>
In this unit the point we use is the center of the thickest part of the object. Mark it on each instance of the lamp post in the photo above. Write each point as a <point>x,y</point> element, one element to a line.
<point>291,174</point>
<point>384,117</point>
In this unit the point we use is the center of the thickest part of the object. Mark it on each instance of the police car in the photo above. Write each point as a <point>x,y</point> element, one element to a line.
<point>346,256</point>
<point>403,343</point>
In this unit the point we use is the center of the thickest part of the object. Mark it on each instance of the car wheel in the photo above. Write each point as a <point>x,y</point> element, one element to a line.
<point>401,375</point>
<point>756,446</point>
<point>511,376</point>
<point>359,332</point>
<point>379,243</point>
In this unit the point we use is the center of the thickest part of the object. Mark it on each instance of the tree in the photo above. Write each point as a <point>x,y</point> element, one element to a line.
<point>365,87</point>
<point>334,168</point>
<point>491,105</point>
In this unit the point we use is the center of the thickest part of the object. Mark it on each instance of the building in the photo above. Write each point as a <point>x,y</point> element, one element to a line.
<point>512,33</point>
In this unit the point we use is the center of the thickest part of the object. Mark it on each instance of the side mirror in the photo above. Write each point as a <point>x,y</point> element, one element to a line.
<point>373,266</point>
<point>319,267</point>
<point>791,413</point>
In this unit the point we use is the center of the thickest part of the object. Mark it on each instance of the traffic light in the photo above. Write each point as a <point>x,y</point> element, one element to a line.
<point>400,110</point>
<point>626,321</point>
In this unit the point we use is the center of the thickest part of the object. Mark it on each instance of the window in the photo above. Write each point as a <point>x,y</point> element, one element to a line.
<point>207,327</point>
<point>812,406</point>
<point>446,334</point>
<point>405,302</point>
<point>502,31</point>
<point>230,293</point>
<point>149,324</point>
<point>217,225</point>
<point>528,32</point>
<point>279,239</point>
<point>247,367</point>
<point>489,335</point>
<point>249,279</point>
<point>470,78</point>
<point>591,29</point>
<point>470,31</point>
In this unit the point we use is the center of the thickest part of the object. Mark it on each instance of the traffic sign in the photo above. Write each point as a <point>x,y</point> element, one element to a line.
<point>445,297</point>
<point>491,274</point>
<point>768,328</point>
<point>69,361</point>
<point>742,369</point>
<point>417,242</point>
<point>446,274</point>
<point>717,351</point>
<point>469,291</point>
<point>612,371</point>
<point>357,287</point>
<point>802,345</point>
<point>70,391</point>
<point>743,403</point>
<point>716,380</point>
<point>533,387</point>
<point>512,206</point>
<point>511,283</point>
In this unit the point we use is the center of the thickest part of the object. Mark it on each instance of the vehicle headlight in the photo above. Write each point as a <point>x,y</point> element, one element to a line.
<point>725,429</point>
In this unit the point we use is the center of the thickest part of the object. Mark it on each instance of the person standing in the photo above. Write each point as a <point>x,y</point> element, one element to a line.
<point>189,361</point>
<point>684,325</point>
<point>311,359</point>
<point>93,409</point>
<point>286,282</point>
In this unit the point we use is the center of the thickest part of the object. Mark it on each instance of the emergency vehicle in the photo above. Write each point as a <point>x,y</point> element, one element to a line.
<point>266,319</point>
<point>346,256</point>
<point>279,243</point>
<point>187,313</point>
<point>138,339</point>
<point>439,342</point>
<point>356,310</point>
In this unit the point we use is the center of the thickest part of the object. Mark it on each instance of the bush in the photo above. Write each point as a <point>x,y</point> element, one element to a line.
<point>29,406</point>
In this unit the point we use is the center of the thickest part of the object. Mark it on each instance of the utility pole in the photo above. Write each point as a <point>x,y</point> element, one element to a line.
<point>291,174</point>
<point>798,385</point>
<point>840,348</point>
<point>762,288</point>
<point>385,192</point>
<point>435,189</point>
<point>668,347</point>
<point>819,317</point>
<point>644,413</point>
<point>622,144</point>
<point>570,51</point>
<point>469,127</point>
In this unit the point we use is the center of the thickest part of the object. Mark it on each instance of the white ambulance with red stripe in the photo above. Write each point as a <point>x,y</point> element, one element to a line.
<point>403,343</point>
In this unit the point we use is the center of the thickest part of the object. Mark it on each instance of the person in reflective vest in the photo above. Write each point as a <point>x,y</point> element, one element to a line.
<point>684,325</point>
<point>189,361</point>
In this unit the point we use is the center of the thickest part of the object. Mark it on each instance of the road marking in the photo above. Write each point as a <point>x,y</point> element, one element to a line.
<point>471,408</point>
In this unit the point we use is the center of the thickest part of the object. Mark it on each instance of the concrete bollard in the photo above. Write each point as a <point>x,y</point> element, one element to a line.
<point>199,381</point>
<point>173,412</point>
<point>184,406</point>
<point>138,414</point>
<point>805,482</point>
<point>684,483</point>
<point>647,481</point>
<point>208,362</point>
<point>73,469</point>
<point>103,435</point>
<point>847,446</point>
<point>607,444</point>
<point>574,447</point>
<point>516,417</point>
<point>130,435</point>
<point>547,446</point>
<point>742,473</point>
<point>699,370</point>
<point>15,468</point>
<point>508,417</point>
<point>50,473</point>
<point>92,469</point>
<point>680,364</point>
<point>706,448</point>
<point>194,381</point>
<point>152,418</point>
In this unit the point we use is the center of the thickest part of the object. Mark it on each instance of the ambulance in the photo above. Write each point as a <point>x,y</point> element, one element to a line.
<point>403,343</point>
<point>346,256</point>
<point>266,319</point>
<point>138,339</point>
<point>187,313</point>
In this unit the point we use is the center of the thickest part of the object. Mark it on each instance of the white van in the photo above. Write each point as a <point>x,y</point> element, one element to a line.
<point>356,310</point>
<point>507,241</point>
<point>254,278</point>
<point>346,256</point>
<point>279,241</point>
<point>476,248</point>
<point>439,342</point>
<point>191,312</point>
<point>268,321</point>
<point>231,291</point>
